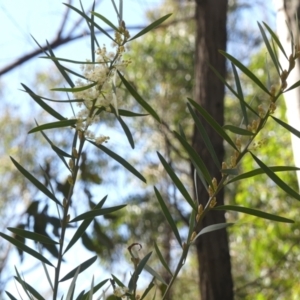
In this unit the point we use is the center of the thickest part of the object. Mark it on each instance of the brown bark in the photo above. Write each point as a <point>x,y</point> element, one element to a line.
<point>212,249</point>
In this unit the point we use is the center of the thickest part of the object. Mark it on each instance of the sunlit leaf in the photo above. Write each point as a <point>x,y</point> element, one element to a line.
<point>120,160</point>
<point>58,124</point>
<point>253,212</point>
<point>26,249</point>
<point>138,98</point>
<point>211,228</point>
<point>32,236</point>
<point>276,179</point>
<point>177,182</point>
<point>155,274</point>
<point>97,212</point>
<point>238,130</point>
<point>211,121</point>
<point>261,171</point>
<point>246,71</point>
<point>150,27</point>
<point>168,216</point>
<point>37,183</point>
<point>288,127</point>
<point>82,266</point>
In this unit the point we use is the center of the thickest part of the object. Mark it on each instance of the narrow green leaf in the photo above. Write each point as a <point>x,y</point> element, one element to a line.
<point>10,295</point>
<point>240,93</point>
<point>162,260</point>
<point>138,98</point>
<point>127,132</point>
<point>97,212</point>
<point>191,224</point>
<point>110,24</point>
<point>155,274</point>
<point>276,179</point>
<point>89,20</point>
<point>118,281</point>
<point>72,61</point>
<point>127,113</point>
<point>177,182</point>
<point>275,38</point>
<point>205,136</point>
<point>238,130</point>
<point>75,90</point>
<point>196,159</point>
<point>22,283</point>
<point>149,288</point>
<point>60,67</point>
<point>246,71</point>
<point>230,171</point>
<point>26,249</point>
<point>210,120</point>
<point>295,85</point>
<point>42,104</point>
<point>72,285</point>
<point>261,171</point>
<point>168,216</point>
<point>32,236</point>
<point>95,289</point>
<point>137,272</point>
<point>120,160</point>
<point>83,226</point>
<point>253,212</point>
<point>211,228</point>
<point>151,26</point>
<point>82,267</point>
<point>288,127</point>
<point>58,124</point>
<point>30,289</point>
<point>269,48</point>
<point>33,180</point>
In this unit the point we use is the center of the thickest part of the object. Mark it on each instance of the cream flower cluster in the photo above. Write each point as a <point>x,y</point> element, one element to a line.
<point>103,93</point>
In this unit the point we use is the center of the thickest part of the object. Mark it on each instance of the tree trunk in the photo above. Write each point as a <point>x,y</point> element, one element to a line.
<point>212,249</point>
<point>286,12</point>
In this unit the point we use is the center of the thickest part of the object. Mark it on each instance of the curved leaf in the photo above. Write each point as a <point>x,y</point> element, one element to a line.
<point>110,24</point>
<point>26,249</point>
<point>120,160</point>
<point>246,71</point>
<point>211,228</point>
<point>82,267</point>
<point>205,137</point>
<point>211,121</point>
<point>37,183</point>
<point>75,90</point>
<point>261,171</point>
<point>150,27</point>
<point>127,113</point>
<point>168,216</point>
<point>288,127</point>
<point>253,212</point>
<point>58,124</point>
<point>238,130</point>
<point>97,212</point>
<point>127,132</point>
<point>161,258</point>
<point>276,179</point>
<point>32,236</point>
<point>42,104</point>
<point>138,98</point>
<point>30,289</point>
<point>177,182</point>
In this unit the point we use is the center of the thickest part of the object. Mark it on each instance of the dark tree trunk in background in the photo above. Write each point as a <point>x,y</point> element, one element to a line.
<point>212,249</point>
